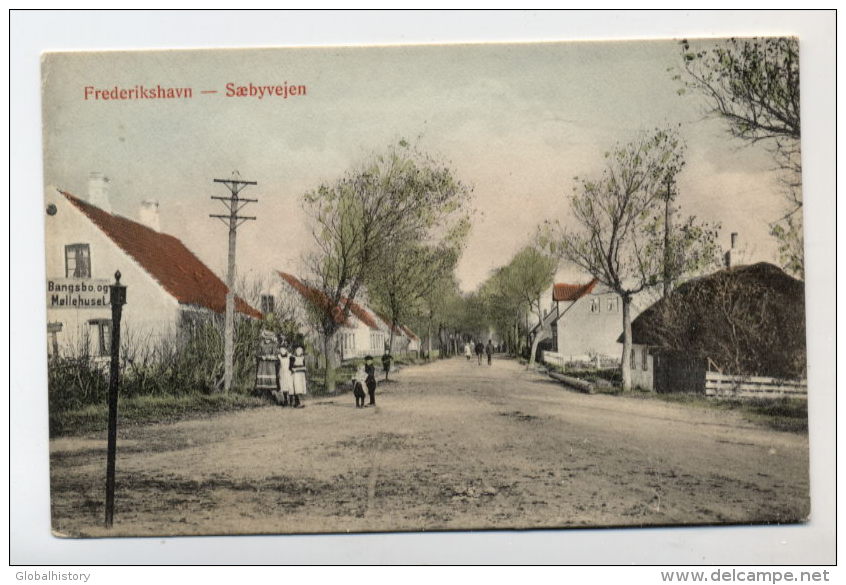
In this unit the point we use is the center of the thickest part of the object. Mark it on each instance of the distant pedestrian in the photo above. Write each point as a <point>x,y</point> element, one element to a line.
<point>370,370</point>
<point>359,381</point>
<point>468,352</point>
<point>298,372</point>
<point>267,365</point>
<point>480,349</point>
<point>489,349</point>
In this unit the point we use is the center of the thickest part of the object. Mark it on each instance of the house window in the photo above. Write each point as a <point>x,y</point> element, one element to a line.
<point>645,360</point>
<point>102,336</point>
<point>634,359</point>
<point>594,305</point>
<point>77,261</point>
<point>268,304</point>
<point>612,305</point>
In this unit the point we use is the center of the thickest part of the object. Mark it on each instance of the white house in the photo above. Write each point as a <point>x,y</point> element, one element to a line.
<point>585,320</point>
<point>86,244</point>
<point>359,334</point>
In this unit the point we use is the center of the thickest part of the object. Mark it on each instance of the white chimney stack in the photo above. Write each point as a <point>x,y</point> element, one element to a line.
<point>148,214</point>
<point>733,254</point>
<point>98,191</point>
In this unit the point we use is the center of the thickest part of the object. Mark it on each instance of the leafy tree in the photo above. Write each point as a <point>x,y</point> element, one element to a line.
<point>394,196</point>
<point>753,85</point>
<point>527,276</point>
<point>616,215</point>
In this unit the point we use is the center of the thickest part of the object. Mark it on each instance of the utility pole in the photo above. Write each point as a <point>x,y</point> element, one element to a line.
<point>233,204</point>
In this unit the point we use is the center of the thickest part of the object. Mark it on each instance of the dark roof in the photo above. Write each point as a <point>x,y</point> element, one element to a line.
<point>756,311</point>
<point>790,292</point>
<point>166,259</point>
<point>571,292</point>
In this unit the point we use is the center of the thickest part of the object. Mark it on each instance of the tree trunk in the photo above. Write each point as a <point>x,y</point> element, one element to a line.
<point>543,333</point>
<point>625,363</point>
<point>329,364</point>
<point>429,340</point>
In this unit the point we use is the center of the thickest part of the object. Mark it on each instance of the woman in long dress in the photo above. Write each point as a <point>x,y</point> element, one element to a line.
<point>297,367</point>
<point>286,379</point>
<point>267,366</point>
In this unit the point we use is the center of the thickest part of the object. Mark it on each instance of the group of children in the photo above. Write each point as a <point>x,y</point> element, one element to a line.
<point>365,376</point>
<point>283,376</point>
<point>280,374</point>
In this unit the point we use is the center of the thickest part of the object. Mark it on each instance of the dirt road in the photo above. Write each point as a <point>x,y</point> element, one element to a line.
<point>451,445</point>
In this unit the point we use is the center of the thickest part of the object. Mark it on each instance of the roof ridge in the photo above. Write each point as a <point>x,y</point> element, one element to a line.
<point>192,288</point>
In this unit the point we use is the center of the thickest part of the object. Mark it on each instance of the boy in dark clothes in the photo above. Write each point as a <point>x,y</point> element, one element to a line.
<point>370,370</point>
<point>359,381</point>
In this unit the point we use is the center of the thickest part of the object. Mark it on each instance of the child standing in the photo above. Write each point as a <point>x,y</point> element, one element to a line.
<point>370,370</point>
<point>359,381</point>
<point>297,367</point>
<point>286,379</point>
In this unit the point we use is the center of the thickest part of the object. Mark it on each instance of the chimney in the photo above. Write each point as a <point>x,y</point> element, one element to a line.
<point>148,214</point>
<point>732,255</point>
<point>98,191</point>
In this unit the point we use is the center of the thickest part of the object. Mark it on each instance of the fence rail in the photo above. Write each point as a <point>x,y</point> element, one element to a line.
<point>717,384</point>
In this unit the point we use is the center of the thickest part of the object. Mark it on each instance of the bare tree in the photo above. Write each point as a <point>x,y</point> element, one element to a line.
<point>753,85</point>
<point>614,214</point>
<point>394,196</point>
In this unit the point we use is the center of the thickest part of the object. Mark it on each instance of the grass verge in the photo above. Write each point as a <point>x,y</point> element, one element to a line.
<point>781,414</point>
<point>148,409</point>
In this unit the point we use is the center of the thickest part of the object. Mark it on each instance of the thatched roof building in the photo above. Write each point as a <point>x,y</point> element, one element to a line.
<point>747,320</point>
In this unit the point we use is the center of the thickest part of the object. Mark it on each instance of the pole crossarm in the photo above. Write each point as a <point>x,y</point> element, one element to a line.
<point>232,220</point>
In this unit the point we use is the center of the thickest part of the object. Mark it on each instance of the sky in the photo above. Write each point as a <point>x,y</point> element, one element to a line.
<point>515,121</point>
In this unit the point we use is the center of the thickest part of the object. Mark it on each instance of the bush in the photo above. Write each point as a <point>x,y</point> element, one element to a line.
<point>184,363</point>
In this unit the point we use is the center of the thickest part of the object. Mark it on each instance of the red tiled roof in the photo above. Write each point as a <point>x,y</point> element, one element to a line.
<point>166,259</point>
<point>409,332</point>
<point>362,314</point>
<point>571,292</point>
<point>387,322</point>
<point>315,297</point>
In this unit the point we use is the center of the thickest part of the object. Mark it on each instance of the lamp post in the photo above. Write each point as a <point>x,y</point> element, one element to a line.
<point>117,298</point>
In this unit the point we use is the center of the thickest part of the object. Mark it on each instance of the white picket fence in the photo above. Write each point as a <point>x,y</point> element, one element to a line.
<point>717,384</point>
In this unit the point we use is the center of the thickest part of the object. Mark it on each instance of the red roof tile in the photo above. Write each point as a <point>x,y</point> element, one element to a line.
<point>572,292</point>
<point>166,259</point>
<point>362,314</point>
<point>409,332</point>
<point>314,296</point>
<point>387,322</point>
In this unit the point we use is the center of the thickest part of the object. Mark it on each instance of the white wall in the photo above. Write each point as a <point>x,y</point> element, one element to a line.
<point>583,332</point>
<point>642,378</point>
<point>150,311</point>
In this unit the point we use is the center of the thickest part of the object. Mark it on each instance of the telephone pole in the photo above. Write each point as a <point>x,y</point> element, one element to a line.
<point>233,204</point>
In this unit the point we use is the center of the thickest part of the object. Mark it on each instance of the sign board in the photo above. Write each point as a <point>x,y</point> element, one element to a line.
<point>77,293</point>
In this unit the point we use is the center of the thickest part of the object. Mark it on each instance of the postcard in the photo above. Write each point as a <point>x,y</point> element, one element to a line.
<point>425,287</point>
